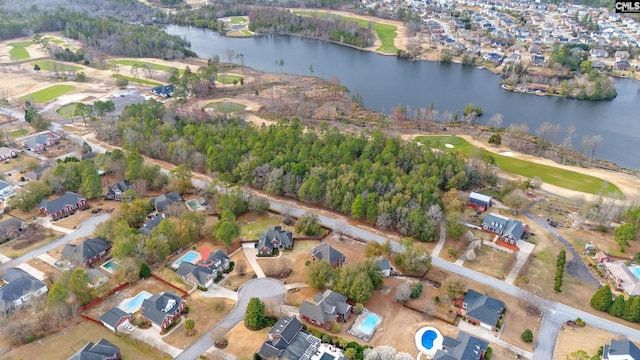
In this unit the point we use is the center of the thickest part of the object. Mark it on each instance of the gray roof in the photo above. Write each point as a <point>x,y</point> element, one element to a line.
<point>4,184</point>
<point>162,202</point>
<point>384,264</point>
<point>149,225</point>
<point>276,233</point>
<point>504,225</point>
<point>324,251</point>
<point>464,347</point>
<point>33,142</point>
<point>325,307</point>
<point>158,306</point>
<point>37,173</point>
<point>95,275</point>
<point>55,205</point>
<point>79,254</point>
<point>118,188</point>
<point>202,273</point>
<point>101,350</point>
<point>288,341</point>
<point>10,225</point>
<point>483,307</point>
<point>19,283</point>
<point>113,316</point>
<point>621,348</point>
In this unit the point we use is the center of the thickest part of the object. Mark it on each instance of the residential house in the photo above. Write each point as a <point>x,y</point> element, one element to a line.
<point>163,90</point>
<point>88,252</point>
<point>324,251</point>
<point>509,230</point>
<point>621,350</point>
<point>6,190</point>
<point>326,308</point>
<point>463,347</point>
<point>482,310</point>
<point>21,287</point>
<point>7,153</point>
<point>36,174</point>
<point>115,191</point>
<point>11,228</point>
<point>288,340</point>
<point>62,206</point>
<point>102,350</point>
<point>537,60</point>
<point>622,278</point>
<point>113,318</point>
<point>203,273</point>
<point>274,239</point>
<point>151,224</point>
<point>41,141</point>
<point>598,54</point>
<point>163,309</point>
<point>622,55</point>
<point>161,203</point>
<point>619,65</point>
<point>385,267</point>
<point>478,201</point>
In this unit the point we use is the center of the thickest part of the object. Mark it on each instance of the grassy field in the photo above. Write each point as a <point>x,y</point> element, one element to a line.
<point>551,175</point>
<point>48,94</point>
<point>18,133</point>
<point>251,230</point>
<point>228,79</point>
<point>18,51</point>
<point>386,33</point>
<point>237,20</point>
<point>151,66</point>
<point>48,65</point>
<point>225,106</point>
<point>133,80</point>
<point>69,111</point>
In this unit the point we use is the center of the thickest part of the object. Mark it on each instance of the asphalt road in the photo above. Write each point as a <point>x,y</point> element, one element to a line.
<point>86,228</point>
<point>269,290</point>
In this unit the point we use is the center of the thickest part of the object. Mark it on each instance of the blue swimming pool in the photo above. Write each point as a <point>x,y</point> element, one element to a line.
<point>134,304</point>
<point>111,266</point>
<point>369,324</point>
<point>636,270</point>
<point>191,256</point>
<point>427,339</point>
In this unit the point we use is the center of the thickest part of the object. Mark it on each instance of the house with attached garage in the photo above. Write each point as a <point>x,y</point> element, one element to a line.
<point>7,153</point>
<point>324,251</point>
<point>288,340</point>
<point>115,191</point>
<point>6,190</point>
<point>161,203</point>
<point>113,318</point>
<point>508,230</point>
<point>20,288</point>
<point>163,309</point>
<point>204,273</point>
<point>102,350</point>
<point>88,252</point>
<point>40,142</point>
<point>11,228</point>
<point>273,240</point>
<point>482,310</point>
<point>62,206</point>
<point>463,347</point>
<point>327,307</point>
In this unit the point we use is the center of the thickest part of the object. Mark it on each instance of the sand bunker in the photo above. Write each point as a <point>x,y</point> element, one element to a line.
<point>507,153</point>
<point>449,146</point>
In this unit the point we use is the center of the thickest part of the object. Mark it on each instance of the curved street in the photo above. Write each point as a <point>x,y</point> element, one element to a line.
<point>269,290</point>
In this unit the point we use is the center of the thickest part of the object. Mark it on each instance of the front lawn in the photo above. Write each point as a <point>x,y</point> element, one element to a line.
<point>18,50</point>
<point>252,225</point>
<point>18,133</point>
<point>48,94</point>
<point>50,65</point>
<point>69,111</point>
<point>549,174</point>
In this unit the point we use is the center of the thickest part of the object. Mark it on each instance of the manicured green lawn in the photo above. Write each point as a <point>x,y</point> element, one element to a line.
<point>551,175</point>
<point>237,20</point>
<point>18,133</point>
<point>386,33</point>
<point>56,41</point>
<point>48,94</point>
<point>69,111</point>
<point>252,230</point>
<point>226,106</point>
<point>228,79</point>
<point>135,80</point>
<point>18,51</point>
<point>152,66</point>
<point>48,65</point>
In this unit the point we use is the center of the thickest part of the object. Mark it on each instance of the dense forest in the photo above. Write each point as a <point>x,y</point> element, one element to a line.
<point>93,23</point>
<point>384,181</point>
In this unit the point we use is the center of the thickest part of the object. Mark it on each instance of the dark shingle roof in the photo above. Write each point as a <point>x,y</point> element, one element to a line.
<point>324,251</point>
<point>19,284</point>
<point>464,347</point>
<point>55,205</point>
<point>288,341</point>
<point>483,307</point>
<point>101,350</point>
<point>325,306</point>
<point>623,347</point>
<point>275,232</point>
<point>10,225</point>
<point>162,202</point>
<point>158,306</point>
<point>201,273</point>
<point>149,225</point>
<point>89,248</point>
<point>113,316</point>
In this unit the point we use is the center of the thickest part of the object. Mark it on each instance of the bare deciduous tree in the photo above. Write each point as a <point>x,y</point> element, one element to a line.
<point>546,133</point>
<point>566,143</point>
<point>496,120</point>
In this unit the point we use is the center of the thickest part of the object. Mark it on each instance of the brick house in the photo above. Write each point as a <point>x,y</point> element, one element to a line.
<point>88,252</point>
<point>274,239</point>
<point>62,206</point>
<point>163,309</point>
<point>324,251</point>
<point>326,308</point>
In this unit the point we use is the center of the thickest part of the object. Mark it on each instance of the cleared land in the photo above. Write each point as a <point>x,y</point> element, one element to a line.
<point>137,81</point>
<point>152,66</point>
<point>573,339</point>
<point>228,79</point>
<point>243,342</point>
<point>50,65</point>
<point>18,50</point>
<point>48,94</point>
<point>386,33</point>
<point>555,176</point>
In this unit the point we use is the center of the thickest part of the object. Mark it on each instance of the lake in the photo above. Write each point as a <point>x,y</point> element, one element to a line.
<point>385,82</point>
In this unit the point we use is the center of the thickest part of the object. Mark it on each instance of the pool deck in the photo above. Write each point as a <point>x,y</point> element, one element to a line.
<point>176,264</point>
<point>355,327</point>
<point>124,303</point>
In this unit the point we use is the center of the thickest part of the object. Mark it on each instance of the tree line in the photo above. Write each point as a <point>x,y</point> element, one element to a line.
<point>372,177</point>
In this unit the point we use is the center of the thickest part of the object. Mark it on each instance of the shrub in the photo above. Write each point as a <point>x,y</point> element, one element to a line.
<point>487,355</point>
<point>580,322</point>
<point>202,288</point>
<point>416,290</point>
<point>326,338</point>
<point>527,336</point>
<point>436,299</point>
<point>335,327</point>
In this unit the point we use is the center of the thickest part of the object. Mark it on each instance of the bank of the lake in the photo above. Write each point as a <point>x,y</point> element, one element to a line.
<point>384,82</point>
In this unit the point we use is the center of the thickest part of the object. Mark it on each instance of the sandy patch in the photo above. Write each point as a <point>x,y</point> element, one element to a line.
<point>449,146</point>
<point>507,153</point>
